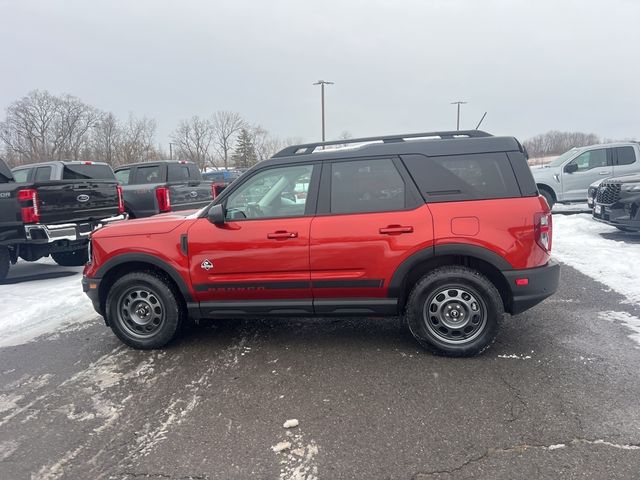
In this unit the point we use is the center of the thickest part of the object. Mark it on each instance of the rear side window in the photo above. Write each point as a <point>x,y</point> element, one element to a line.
<point>150,174</point>
<point>366,186</point>
<point>463,177</point>
<point>194,173</point>
<point>122,176</point>
<point>43,174</point>
<point>178,173</point>
<point>85,171</point>
<point>626,155</point>
<point>20,176</point>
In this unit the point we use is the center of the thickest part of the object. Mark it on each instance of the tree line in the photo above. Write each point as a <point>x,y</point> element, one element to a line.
<point>555,142</point>
<point>42,126</point>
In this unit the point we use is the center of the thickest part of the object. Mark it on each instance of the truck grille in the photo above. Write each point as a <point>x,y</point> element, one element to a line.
<point>608,193</point>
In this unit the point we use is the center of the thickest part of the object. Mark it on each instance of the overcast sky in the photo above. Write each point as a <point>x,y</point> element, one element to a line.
<point>532,65</point>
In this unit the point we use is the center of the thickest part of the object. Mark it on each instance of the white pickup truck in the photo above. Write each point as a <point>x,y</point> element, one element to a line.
<point>567,178</point>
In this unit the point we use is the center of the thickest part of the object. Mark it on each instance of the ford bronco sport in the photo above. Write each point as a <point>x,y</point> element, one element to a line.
<point>446,229</point>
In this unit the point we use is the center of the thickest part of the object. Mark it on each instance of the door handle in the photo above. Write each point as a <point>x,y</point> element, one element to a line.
<point>396,229</point>
<point>281,234</point>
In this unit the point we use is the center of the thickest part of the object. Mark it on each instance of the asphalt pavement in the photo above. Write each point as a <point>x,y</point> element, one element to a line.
<point>557,396</point>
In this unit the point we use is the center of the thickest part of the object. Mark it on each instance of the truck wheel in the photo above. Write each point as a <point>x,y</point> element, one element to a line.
<point>548,196</point>
<point>143,310</point>
<point>454,311</point>
<point>5,261</point>
<point>75,258</point>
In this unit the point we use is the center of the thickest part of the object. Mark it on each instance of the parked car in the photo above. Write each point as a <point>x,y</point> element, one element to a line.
<point>151,188</point>
<point>449,233</point>
<point>221,179</point>
<point>51,208</point>
<point>568,177</point>
<point>618,203</point>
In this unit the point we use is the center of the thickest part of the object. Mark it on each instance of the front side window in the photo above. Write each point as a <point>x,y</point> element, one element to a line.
<point>122,176</point>
<point>149,174</point>
<point>270,194</point>
<point>591,159</point>
<point>366,186</point>
<point>43,174</point>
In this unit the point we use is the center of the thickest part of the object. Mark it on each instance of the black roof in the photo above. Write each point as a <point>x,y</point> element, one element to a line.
<point>154,162</point>
<point>456,142</point>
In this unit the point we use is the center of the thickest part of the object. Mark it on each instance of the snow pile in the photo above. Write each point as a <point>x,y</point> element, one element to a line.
<point>578,242</point>
<point>32,308</point>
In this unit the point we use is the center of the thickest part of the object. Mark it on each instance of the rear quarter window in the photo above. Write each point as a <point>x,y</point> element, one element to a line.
<point>178,173</point>
<point>451,178</point>
<point>87,171</point>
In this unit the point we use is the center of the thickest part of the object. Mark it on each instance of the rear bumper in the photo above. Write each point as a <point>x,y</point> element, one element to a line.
<point>542,283</point>
<point>41,233</point>
<point>91,287</point>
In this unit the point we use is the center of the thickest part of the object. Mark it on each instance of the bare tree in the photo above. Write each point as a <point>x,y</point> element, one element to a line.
<point>107,137</point>
<point>72,127</point>
<point>193,138</point>
<point>345,135</point>
<point>137,140</point>
<point>226,127</point>
<point>556,143</point>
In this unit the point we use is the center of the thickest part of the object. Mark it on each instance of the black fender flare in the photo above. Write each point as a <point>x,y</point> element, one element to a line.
<point>145,258</point>
<point>462,249</point>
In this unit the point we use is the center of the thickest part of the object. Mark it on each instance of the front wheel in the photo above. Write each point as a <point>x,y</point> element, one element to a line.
<point>143,310</point>
<point>548,197</point>
<point>454,311</point>
<point>5,262</point>
<point>74,258</point>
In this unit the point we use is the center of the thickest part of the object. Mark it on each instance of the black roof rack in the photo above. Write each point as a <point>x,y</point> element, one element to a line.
<point>308,148</point>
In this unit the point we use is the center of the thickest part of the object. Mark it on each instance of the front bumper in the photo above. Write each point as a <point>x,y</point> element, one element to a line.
<point>542,283</point>
<point>619,214</point>
<point>91,286</point>
<point>41,233</point>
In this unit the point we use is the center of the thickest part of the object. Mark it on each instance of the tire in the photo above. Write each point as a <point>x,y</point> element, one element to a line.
<point>143,310</point>
<point>75,258</point>
<point>627,229</point>
<point>548,196</point>
<point>454,311</point>
<point>5,262</point>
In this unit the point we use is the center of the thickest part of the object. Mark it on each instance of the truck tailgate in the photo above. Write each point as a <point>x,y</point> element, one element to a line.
<point>192,195</point>
<point>67,201</point>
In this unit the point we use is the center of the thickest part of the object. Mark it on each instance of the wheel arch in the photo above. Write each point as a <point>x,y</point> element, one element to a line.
<point>134,262</point>
<point>417,265</point>
<point>547,188</point>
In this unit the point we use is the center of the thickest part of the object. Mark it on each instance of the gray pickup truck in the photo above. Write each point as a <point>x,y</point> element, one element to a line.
<point>51,208</point>
<point>151,188</point>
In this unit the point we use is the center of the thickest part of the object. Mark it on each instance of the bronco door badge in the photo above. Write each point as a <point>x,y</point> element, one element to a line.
<point>206,264</point>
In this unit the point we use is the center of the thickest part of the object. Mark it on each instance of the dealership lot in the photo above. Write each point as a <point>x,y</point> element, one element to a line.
<point>555,396</point>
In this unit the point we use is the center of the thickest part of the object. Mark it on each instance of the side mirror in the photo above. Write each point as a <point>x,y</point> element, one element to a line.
<point>571,167</point>
<point>216,215</point>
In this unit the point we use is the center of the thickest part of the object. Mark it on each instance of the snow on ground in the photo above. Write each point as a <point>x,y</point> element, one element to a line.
<point>599,251</point>
<point>37,306</point>
<point>571,208</point>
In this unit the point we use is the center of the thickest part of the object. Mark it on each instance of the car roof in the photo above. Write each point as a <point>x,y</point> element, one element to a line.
<point>58,162</point>
<point>430,144</point>
<point>155,162</point>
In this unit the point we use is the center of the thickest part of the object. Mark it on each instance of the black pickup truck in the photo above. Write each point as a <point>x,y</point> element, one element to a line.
<point>51,208</point>
<point>151,188</point>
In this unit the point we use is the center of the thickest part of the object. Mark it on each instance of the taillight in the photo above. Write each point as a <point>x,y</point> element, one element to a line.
<point>30,212</point>
<point>544,230</point>
<point>216,189</point>
<point>164,199</point>
<point>120,199</point>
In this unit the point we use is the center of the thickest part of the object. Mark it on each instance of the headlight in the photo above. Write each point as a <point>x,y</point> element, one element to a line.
<point>631,187</point>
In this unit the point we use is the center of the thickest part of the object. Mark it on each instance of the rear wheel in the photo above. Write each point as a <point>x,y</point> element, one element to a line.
<point>75,258</point>
<point>454,311</point>
<point>548,196</point>
<point>5,261</point>
<point>143,310</point>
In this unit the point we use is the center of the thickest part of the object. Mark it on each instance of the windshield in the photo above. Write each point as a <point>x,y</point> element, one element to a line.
<point>561,159</point>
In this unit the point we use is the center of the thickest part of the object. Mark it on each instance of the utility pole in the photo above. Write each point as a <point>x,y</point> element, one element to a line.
<point>458,121</point>
<point>322,83</point>
<point>170,151</point>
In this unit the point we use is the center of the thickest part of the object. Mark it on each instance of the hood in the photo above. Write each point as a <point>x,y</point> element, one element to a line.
<point>632,178</point>
<point>145,226</point>
<point>544,172</point>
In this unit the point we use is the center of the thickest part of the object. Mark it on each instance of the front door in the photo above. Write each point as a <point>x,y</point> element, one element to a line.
<point>583,170</point>
<point>367,222</point>
<point>258,261</point>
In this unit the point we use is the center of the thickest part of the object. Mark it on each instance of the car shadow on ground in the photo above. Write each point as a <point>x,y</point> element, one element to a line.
<point>37,276</point>
<point>632,238</point>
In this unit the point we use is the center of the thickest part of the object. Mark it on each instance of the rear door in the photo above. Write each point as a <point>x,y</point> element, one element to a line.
<point>625,161</point>
<point>188,189</point>
<point>258,261</point>
<point>368,221</point>
<point>592,165</point>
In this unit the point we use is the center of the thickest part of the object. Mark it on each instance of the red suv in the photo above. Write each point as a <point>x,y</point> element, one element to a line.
<point>446,229</point>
